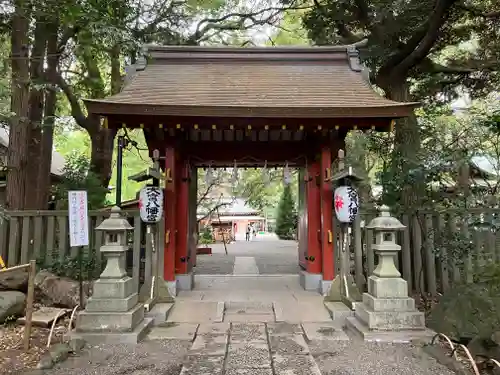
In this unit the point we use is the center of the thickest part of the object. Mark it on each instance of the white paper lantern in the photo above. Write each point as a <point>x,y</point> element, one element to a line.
<point>346,203</point>
<point>151,204</point>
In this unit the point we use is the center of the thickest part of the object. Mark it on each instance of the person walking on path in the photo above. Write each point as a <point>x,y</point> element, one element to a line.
<point>247,237</point>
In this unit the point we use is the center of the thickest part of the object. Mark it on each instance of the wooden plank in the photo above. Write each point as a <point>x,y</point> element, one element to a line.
<point>430,257</point>
<point>160,245</point>
<point>4,236</point>
<point>137,250</point>
<point>417,255</point>
<point>358,254</point>
<point>443,256</point>
<point>13,253</point>
<point>51,235</point>
<point>29,304</point>
<point>25,240</point>
<point>490,238</point>
<point>406,252</point>
<point>62,224</point>
<point>38,251</point>
<point>452,225</point>
<point>468,258</point>
<point>98,242</point>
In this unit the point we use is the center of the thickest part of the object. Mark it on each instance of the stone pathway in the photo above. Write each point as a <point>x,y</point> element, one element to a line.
<point>250,348</point>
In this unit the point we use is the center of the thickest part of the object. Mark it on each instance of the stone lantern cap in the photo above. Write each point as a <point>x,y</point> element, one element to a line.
<point>115,222</point>
<point>385,222</point>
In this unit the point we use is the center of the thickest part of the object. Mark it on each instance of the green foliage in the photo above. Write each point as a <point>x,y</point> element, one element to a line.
<point>70,266</point>
<point>77,176</point>
<point>206,236</point>
<point>286,218</point>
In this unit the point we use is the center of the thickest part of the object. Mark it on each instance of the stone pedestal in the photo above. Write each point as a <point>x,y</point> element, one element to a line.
<point>387,312</point>
<point>113,313</point>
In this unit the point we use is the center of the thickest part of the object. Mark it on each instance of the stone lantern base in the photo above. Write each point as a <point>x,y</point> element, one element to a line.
<point>113,314</point>
<point>387,313</point>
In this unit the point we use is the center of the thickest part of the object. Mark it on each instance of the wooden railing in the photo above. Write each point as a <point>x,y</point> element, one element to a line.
<point>43,236</point>
<point>438,248</point>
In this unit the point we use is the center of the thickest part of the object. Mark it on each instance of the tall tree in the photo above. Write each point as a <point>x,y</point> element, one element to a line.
<point>17,154</point>
<point>286,218</point>
<point>407,46</point>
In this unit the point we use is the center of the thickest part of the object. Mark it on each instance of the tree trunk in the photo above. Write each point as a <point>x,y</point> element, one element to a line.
<point>405,161</point>
<point>17,153</point>
<point>102,150</point>
<point>36,102</point>
<point>44,172</point>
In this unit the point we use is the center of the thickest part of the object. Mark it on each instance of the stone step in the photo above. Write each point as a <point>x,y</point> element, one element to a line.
<point>196,312</point>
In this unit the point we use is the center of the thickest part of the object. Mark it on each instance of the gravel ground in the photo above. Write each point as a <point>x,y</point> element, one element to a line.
<point>215,264</point>
<point>146,358</point>
<point>359,358</point>
<point>272,257</point>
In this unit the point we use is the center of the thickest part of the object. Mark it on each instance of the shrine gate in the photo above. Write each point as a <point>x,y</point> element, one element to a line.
<point>249,107</point>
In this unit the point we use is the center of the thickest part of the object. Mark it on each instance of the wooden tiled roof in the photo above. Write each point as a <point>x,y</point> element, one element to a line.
<point>311,82</point>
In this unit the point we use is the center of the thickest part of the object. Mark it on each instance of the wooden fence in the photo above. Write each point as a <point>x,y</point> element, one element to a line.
<point>438,249</point>
<point>43,236</point>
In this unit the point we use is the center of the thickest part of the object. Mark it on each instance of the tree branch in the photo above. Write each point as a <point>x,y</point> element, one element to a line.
<point>76,109</point>
<point>435,21</point>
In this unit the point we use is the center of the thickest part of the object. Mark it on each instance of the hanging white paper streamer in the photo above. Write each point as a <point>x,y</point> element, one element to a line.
<point>287,176</point>
<point>209,176</point>
<point>235,175</point>
<point>265,175</point>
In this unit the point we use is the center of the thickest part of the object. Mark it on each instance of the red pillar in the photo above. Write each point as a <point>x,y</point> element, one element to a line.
<point>182,216</point>
<point>327,235</point>
<point>314,255</point>
<point>170,214</point>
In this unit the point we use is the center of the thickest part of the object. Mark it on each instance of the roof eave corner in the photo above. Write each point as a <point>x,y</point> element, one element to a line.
<point>132,69</point>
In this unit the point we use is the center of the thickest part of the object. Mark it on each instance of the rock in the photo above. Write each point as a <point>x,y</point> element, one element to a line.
<point>60,352</point>
<point>52,290</point>
<point>56,354</point>
<point>17,280</point>
<point>467,311</point>
<point>11,304</point>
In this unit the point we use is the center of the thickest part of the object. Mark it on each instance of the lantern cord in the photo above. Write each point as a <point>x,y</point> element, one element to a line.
<point>250,159</point>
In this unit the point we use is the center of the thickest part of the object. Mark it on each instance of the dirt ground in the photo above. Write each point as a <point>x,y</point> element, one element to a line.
<point>13,358</point>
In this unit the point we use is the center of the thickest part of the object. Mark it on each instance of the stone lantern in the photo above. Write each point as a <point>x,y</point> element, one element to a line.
<point>113,313</point>
<point>385,227</point>
<point>387,312</point>
<point>115,244</point>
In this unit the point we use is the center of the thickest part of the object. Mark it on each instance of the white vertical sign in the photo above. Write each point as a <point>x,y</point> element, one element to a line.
<point>78,218</point>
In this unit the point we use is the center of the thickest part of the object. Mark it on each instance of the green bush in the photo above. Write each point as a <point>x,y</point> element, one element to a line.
<point>286,220</point>
<point>70,267</point>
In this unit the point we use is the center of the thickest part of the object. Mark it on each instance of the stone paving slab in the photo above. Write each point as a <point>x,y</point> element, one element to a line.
<point>248,308</point>
<point>245,266</point>
<point>249,371</point>
<point>299,312</point>
<point>284,329</point>
<point>324,331</point>
<point>173,331</point>
<point>248,355</point>
<point>44,316</point>
<point>214,328</point>
<point>295,365</point>
<point>198,365</point>
<point>288,345</point>
<point>193,312</point>
<point>241,332</point>
<point>241,318</point>
<point>209,345</point>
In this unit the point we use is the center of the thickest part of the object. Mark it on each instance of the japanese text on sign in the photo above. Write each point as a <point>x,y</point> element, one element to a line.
<point>78,218</point>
